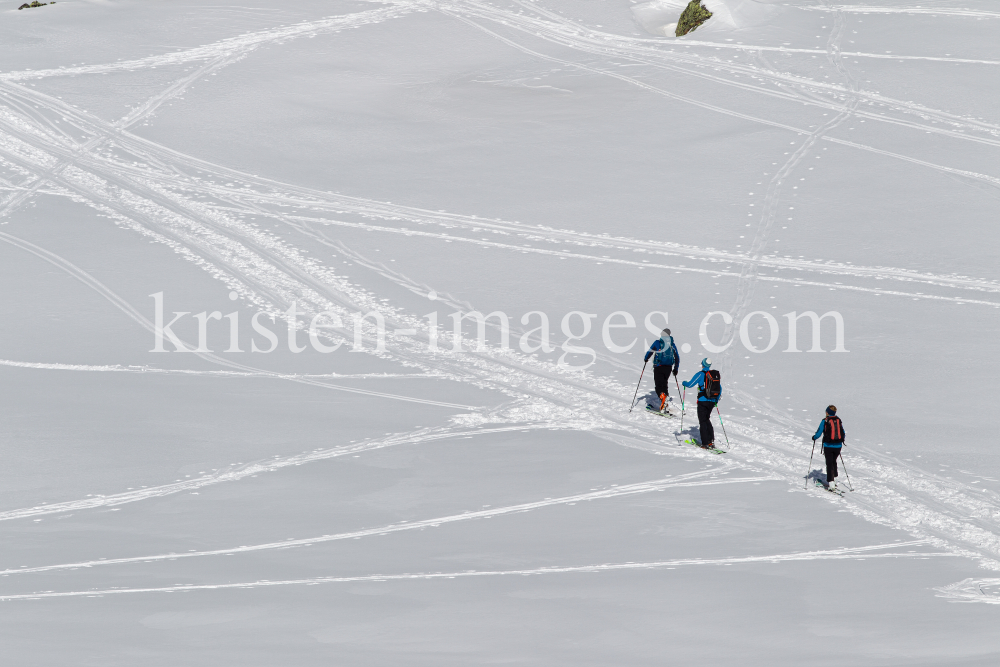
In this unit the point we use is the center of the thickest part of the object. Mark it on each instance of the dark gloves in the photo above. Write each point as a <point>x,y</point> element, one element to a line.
<point>675,371</point>
<point>648,355</point>
<point>814,438</point>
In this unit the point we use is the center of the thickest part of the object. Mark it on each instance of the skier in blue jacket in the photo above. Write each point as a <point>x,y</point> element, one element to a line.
<point>831,429</point>
<point>666,359</point>
<point>705,403</point>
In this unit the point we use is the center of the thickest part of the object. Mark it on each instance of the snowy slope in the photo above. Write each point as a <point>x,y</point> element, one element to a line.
<point>412,505</point>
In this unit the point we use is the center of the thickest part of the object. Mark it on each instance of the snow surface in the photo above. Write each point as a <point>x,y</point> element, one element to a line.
<point>487,506</point>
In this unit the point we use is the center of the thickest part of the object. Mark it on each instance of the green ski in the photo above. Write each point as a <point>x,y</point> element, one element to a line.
<point>714,450</point>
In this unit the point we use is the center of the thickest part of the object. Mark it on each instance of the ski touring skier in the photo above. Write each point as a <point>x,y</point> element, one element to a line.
<point>831,429</point>
<point>666,360</point>
<point>709,383</point>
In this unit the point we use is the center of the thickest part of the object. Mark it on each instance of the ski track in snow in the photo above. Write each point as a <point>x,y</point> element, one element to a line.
<point>116,368</point>
<point>227,47</point>
<point>155,199</point>
<point>984,591</point>
<point>858,553</point>
<point>680,481</point>
<point>865,9</point>
<point>599,242</point>
<point>237,472</point>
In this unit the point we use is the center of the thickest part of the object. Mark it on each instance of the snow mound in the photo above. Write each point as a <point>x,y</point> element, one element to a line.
<point>659,17</point>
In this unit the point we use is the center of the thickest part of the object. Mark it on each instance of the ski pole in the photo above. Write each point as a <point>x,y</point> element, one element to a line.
<point>682,409</point>
<point>724,426</point>
<point>806,484</point>
<point>845,471</point>
<point>638,385</point>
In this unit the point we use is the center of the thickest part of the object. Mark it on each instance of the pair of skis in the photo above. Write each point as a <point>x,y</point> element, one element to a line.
<point>834,490</point>
<point>713,449</point>
<point>662,413</point>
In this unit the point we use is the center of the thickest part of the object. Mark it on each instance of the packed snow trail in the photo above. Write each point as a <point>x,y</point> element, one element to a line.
<point>876,551</point>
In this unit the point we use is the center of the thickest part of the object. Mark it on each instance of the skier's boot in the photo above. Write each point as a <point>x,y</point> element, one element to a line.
<point>663,403</point>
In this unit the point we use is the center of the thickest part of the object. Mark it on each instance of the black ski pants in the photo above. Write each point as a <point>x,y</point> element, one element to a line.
<point>705,422</point>
<point>831,454</point>
<point>661,376</point>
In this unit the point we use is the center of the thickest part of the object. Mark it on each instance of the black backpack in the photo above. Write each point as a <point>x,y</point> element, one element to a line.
<point>713,385</point>
<point>833,430</point>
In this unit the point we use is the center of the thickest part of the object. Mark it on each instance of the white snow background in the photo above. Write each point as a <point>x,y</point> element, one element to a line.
<point>487,506</point>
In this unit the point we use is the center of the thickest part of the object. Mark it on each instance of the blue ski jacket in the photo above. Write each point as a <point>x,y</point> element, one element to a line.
<point>666,355</point>
<point>699,380</point>
<point>820,433</point>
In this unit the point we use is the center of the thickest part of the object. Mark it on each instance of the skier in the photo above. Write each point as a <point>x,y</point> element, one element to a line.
<point>666,359</point>
<point>832,430</point>
<point>709,385</point>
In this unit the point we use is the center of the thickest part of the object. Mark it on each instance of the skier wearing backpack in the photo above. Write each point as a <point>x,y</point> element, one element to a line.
<point>709,385</point>
<point>666,359</point>
<point>832,431</point>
